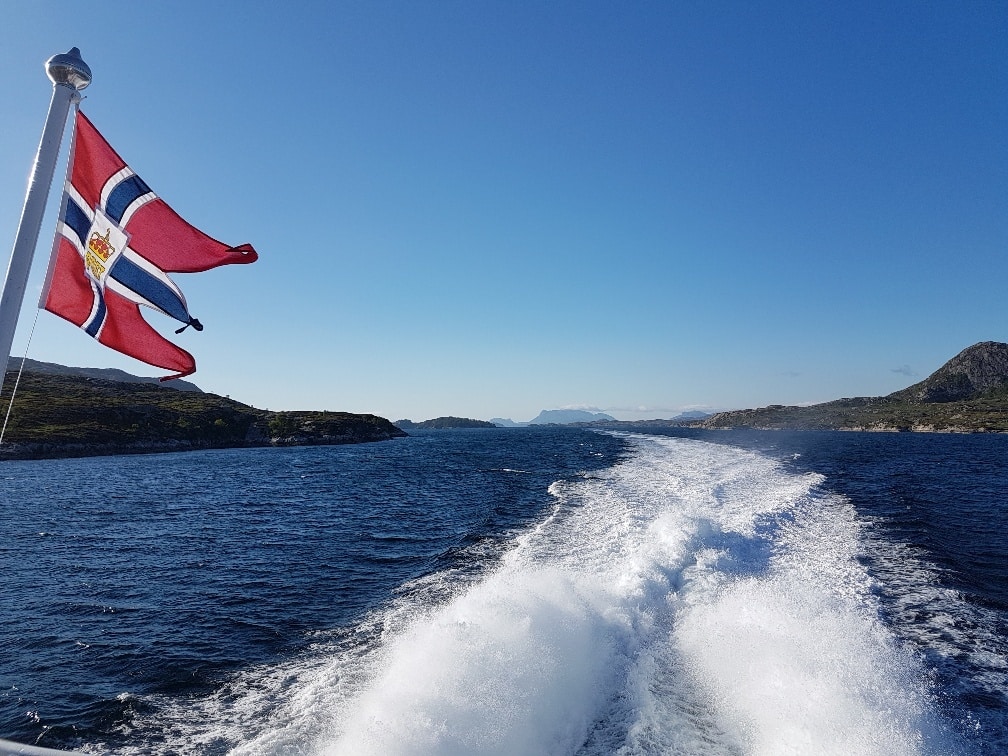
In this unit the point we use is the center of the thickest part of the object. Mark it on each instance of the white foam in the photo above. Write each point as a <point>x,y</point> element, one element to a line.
<point>695,598</point>
<point>519,664</point>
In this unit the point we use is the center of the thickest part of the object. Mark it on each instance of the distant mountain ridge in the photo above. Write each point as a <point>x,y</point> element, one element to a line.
<point>599,418</point>
<point>104,374</point>
<point>692,415</point>
<point>568,416</point>
<point>969,393</point>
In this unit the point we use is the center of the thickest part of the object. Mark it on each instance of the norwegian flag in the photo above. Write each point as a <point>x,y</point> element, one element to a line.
<point>116,241</point>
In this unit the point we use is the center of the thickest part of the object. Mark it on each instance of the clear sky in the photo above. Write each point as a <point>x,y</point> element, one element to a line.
<point>491,208</point>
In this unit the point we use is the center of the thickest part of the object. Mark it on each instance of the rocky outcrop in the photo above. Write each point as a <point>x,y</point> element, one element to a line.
<point>968,394</point>
<point>971,373</point>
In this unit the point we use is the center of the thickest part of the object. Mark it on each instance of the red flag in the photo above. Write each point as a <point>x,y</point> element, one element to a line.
<point>116,241</point>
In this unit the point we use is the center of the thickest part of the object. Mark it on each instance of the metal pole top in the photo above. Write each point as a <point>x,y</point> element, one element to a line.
<point>69,70</point>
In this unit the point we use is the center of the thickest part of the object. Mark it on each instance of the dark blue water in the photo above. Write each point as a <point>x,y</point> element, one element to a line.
<point>513,591</point>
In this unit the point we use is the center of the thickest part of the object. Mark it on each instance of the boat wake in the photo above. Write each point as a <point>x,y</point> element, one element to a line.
<point>694,598</point>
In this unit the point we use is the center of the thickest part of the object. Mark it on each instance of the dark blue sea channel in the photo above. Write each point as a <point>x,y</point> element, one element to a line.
<point>513,591</point>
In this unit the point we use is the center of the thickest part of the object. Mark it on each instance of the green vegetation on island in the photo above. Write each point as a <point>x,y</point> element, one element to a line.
<point>445,422</point>
<point>75,415</point>
<point>968,394</point>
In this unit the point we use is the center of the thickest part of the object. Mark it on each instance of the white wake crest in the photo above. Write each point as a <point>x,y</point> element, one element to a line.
<point>695,598</point>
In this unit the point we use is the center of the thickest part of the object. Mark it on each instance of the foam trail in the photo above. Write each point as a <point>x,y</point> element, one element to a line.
<point>695,598</point>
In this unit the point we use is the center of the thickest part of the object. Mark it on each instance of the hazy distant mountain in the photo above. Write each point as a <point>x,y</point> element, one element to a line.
<point>564,417</point>
<point>105,374</point>
<point>506,422</point>
<point>692,415</point>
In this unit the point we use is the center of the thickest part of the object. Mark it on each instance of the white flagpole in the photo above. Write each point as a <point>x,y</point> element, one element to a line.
<point>69,74</point>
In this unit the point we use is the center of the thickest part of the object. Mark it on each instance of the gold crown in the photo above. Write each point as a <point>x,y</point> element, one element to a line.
<point>101,245</point>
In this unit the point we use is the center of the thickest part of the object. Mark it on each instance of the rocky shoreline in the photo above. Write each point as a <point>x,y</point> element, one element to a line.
<point>45,450</point>
<point>63,416</point>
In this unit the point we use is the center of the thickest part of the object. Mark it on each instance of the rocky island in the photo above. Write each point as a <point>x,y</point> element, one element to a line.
<point>968,394</point>
<point>62,413</point>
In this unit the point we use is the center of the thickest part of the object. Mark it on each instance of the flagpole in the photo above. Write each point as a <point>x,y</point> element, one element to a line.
<point>69,74</point>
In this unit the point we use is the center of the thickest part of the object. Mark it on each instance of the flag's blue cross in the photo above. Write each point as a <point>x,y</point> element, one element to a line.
<point>128,193</point>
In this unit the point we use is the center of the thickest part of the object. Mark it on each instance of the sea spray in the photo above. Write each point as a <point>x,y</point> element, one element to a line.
<point>519,664</point>
<point>695,580</point>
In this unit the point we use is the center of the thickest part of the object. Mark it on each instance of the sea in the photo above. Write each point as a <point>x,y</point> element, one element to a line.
<point>513,591</point>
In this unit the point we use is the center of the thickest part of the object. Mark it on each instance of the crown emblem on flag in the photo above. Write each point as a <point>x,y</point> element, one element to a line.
<point>99,249</point>
<point>101,245</point>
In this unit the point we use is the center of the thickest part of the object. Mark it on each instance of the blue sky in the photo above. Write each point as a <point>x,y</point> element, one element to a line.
<point>488,209</point>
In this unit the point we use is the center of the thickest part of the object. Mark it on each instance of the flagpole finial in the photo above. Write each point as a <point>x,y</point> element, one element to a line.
<point>69,70</point>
